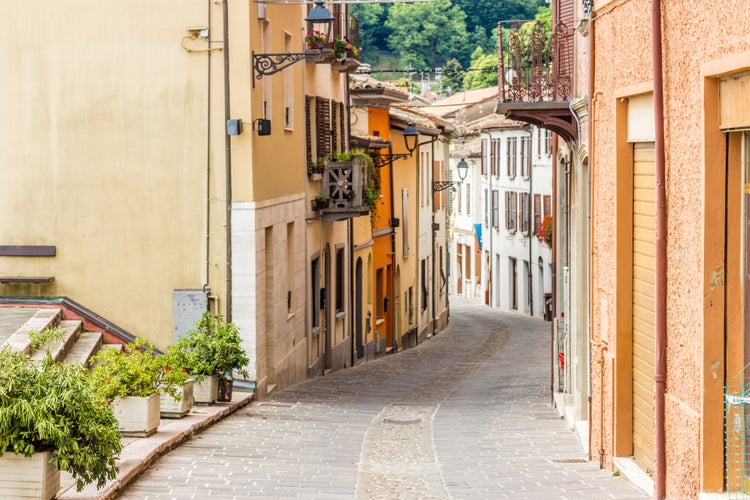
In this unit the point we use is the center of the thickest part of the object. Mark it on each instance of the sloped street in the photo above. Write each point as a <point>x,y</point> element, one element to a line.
<point>463,415</point>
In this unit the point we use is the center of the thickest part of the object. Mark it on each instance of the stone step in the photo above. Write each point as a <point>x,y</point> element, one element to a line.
<point>44,318</point>
<point>72,329</point>
<point>87,345</point>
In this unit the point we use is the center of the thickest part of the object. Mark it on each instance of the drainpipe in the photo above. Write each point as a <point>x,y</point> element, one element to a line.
<point>208,156</point>
<point>661,254</point>
<point>553,265</point>
<point>394,333</point>
<point>228,161</point>
<point>529,220</point>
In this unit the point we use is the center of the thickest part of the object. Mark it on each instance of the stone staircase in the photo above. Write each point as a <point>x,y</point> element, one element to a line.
<point>76,346</point>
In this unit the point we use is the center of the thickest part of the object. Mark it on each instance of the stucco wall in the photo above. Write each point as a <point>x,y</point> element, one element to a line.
<point>693,33</point>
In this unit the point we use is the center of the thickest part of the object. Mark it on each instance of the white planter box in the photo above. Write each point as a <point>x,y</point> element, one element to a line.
<point>206,391</point>
<point>170,408</point>
<point>137,416</point>
<point>33,477</point>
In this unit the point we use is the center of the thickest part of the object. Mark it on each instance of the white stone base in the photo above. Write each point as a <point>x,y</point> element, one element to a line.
<point>207,391</point>
<point>137,416</point>
<point>33,477</point>
<point>634,474</point>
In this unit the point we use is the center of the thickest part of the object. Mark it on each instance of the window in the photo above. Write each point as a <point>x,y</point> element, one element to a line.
<point>495,208</point>
<point>379,293</point>
<point>537,213</point>
<point>496,148</point>
<point>524,212</point>
<point>511,210</point>
<point>547,205</point>
<point>288,86</point>
<point>315,292</point>
<point>323,126</point>
<point>340,279</point>
<point>468,199</point>
<point>525,156</point>
<point>425,290</point>
<point>547,142</point>
<point>512,156</point>
<point>486,203</point>
<point>405,216</point>
<point>484,160</point>
<point>459,191</point>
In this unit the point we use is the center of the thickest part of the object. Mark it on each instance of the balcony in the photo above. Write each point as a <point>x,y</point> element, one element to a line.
<point>344,184</point>
<point>536,76</point>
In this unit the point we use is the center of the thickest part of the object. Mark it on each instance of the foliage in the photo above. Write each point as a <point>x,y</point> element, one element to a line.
<point>135,371</point>
<point>452,77</point>
<point>487,13</point>
<point>45,338</point>
<point>427,34</point>
<point>316,38</point>
<point>321,197</point>
<point>483,71</point>
<point>49,406</point>
<point>212,347</point>
<point>372,30</point>
<point>545,230</point>
<point>342,47</point>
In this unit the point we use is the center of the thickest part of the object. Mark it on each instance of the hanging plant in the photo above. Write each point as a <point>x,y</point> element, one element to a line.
<point>545,230</point>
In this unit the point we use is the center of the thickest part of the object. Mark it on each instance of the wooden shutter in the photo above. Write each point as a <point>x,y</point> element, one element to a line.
<point>644,268</point>
<point>342,127</point>
<point>537,212</point>
<point>335,143</point>
<point>484,160</point>
<point>507,210</point>
<point>323,125</point>
<point>309,103</point>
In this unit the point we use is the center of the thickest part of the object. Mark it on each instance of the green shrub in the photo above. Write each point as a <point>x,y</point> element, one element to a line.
<point>48,406</point>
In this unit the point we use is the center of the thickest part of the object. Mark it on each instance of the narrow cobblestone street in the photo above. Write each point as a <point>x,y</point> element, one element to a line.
<point>464,415</point>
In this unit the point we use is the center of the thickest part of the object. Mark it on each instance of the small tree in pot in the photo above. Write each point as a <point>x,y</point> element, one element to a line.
<point>53,408</point>
<point>212,348</point>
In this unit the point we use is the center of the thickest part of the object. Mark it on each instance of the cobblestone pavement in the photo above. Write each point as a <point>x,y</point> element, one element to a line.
<point>463,415</point>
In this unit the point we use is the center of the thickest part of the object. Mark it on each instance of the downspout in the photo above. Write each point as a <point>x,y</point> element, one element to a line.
<point>529,222</point>
<point>553,265</point>
<point>432,232</point>
<point>228,161</point>
<point>661,255</point>
<point>394,333</point>
<point>490,228</point>
<point>208,158</point>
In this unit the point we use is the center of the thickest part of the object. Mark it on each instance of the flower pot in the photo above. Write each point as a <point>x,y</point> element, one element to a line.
<point>171,408</point>
<point>319,204</point>
<point>137,416</point>
<point>206,391</point>
<point>225,390</point>
<point>32,477</point>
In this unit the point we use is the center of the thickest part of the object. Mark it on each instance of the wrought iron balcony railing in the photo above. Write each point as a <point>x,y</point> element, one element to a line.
<point>344,183</point>
<point>535,64</point>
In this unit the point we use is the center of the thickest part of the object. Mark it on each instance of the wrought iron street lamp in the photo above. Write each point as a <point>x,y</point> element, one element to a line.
<point>319,20</point>
<point>463,170</point>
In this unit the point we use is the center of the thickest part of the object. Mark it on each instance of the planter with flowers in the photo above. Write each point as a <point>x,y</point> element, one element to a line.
<point>176,406</point>
<point>346,55</point>
<point>211,352</point>
<point>545,230</point>
<point>132,380</point>
<point>52,419</point>
<point>320,51</point>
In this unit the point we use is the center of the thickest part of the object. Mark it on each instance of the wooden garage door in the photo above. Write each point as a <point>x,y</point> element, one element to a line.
<point>644,267</point>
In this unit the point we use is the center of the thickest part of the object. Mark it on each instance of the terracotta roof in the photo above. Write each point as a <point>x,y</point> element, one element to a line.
<point>449,105</point>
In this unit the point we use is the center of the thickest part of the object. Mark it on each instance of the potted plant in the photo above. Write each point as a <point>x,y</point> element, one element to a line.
<point>175,375</point>
<point>52,419</point>
<point>545,230</point>
<point>132,380</point>
<point>321,201</point>
<point>211,352</point>
<point>320,51</point>
<point>345,54</point>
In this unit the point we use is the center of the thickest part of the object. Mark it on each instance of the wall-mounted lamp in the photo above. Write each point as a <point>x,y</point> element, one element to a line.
<point>411,138</point>
<point>463,170</point>
<point>319,20</point>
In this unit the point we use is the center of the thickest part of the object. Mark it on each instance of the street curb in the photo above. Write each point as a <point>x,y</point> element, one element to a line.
<point>141,453</point>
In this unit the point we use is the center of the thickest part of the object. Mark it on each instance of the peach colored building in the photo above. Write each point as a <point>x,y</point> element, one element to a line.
<point>669,240</point>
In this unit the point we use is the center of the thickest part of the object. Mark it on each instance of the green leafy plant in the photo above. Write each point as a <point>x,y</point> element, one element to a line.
<point>342,48</point>
<point>135,371</point>
<point>45,338</point>
<point>49,406</point>
<point>213,347</point>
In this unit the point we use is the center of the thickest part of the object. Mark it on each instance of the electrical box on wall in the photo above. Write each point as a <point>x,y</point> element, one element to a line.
<point>264,126</point>
<point>234,127</point>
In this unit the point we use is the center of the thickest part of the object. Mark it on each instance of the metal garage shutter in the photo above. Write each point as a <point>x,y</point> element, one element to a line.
<point>644,266</point>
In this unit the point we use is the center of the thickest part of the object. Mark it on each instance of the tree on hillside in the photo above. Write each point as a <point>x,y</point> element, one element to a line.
<point>487,13</point>
<point>483,70</point>
<point>427,34</point>
<point>372,30</point>
<point>453,77</point>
